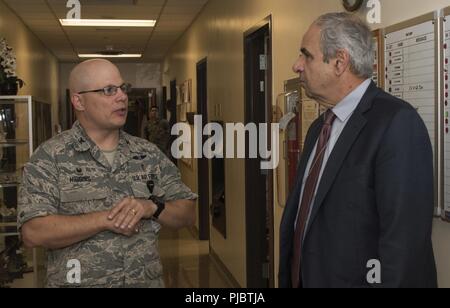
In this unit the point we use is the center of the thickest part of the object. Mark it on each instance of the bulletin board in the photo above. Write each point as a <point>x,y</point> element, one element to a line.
<point>378,64</point>
<point>445,49</point>
<point>411,59</point>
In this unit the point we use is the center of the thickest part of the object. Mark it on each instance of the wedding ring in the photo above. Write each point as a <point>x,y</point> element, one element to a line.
<point>133,211</point>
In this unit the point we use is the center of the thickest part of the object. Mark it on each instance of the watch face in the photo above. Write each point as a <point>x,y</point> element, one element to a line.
<point>352,5</point>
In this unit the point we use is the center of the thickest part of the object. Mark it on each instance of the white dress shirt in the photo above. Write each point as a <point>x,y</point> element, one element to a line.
<point>343,111</point>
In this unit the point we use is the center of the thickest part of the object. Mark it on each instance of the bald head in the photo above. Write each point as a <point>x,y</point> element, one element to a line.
<point>92,74</point>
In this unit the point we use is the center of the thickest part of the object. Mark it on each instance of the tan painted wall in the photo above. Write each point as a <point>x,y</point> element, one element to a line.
<point>35,64</point>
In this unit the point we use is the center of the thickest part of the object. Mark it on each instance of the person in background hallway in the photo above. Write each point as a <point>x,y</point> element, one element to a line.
<point>364,186</point>
<point>85,192</point>
<point>157,130</point>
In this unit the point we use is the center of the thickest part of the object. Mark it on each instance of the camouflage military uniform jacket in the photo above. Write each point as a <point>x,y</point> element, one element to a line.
<point>69,175</point>
<point>158,134</point>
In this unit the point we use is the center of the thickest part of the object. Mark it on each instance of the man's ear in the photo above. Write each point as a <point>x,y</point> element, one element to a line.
<point>342,62</point>
<point>77,102</point>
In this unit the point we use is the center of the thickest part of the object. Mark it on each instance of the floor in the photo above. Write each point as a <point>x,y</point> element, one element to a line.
<point>186,263</point>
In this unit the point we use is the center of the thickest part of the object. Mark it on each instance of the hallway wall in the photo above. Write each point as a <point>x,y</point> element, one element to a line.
<point>218,34</point>
<point>35,64</point>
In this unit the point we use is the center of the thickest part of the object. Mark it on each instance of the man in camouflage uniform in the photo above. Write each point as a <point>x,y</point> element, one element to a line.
<point>157,131</point>
<point>85,192</point>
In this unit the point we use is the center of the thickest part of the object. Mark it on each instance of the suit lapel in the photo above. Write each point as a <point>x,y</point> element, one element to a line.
<point>341,149</point>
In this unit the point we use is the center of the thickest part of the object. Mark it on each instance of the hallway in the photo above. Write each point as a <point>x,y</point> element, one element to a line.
<point>213,77</point>
<point>187,263</point>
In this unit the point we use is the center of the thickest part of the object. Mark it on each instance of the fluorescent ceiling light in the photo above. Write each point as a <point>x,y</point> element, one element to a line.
<point>107,23</point>
<point>97,55</point>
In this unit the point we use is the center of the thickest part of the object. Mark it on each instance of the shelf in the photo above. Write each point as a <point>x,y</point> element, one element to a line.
<point>12,101</point>
<point>13,143</point>
<point>22,118</point>
<point>9,234</point>
<point>17,170</point>
<point>9,185</point>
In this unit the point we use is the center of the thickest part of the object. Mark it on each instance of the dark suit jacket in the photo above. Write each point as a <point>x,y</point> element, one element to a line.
<point>374,201</point>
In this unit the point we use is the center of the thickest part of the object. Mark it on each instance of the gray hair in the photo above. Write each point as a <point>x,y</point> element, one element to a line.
<point>346,31</point>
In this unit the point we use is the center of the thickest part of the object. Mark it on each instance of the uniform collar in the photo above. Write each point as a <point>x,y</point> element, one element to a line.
<point>82,142</point>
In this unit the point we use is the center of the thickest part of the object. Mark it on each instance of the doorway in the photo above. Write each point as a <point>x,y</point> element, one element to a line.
<point>139,102</point>
<point>172,108</point>
<point>259,206</point>
<point>203,163</point>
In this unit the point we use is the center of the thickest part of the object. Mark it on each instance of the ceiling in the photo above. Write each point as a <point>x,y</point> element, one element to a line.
<point>173,18</point>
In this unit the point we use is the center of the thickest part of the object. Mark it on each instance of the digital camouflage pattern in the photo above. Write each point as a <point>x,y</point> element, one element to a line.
<point>69,175</point>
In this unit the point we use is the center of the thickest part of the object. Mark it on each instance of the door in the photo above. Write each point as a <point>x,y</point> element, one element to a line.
<point>259,206</point>
<point>138,104</point>
<point>203,164</point>
<point>163,106</point>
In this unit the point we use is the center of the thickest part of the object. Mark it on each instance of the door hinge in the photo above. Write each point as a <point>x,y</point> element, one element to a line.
<point>262,86</point>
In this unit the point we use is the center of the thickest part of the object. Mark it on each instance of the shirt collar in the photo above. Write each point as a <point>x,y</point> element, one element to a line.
<point>345,108</point>
<point>82,142</point>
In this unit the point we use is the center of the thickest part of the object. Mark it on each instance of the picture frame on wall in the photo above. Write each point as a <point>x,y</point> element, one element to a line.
<point>189,162</point>
<point>378,73</point>
<point>183,117</point>
<point>187,91</point>
<point>179,95</point>
<point>184,100</point>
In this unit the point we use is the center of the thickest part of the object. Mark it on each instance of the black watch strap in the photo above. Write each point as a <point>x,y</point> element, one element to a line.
<point>160,207</point>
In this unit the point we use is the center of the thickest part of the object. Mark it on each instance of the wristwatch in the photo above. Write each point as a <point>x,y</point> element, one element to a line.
<point>160,207</point>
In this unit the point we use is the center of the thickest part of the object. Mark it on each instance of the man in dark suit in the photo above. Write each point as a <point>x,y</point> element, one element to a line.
<point>361,211</point>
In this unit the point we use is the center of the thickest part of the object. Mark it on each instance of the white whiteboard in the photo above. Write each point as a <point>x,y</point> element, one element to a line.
<point>446,118</point>
<point>411,71</point>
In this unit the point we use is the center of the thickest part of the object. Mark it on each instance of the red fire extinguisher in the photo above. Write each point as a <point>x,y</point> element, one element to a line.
<point>292,138</point>
<point>293,150</point>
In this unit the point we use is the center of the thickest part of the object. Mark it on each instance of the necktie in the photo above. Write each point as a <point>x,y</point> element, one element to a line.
<point>308,194</point>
